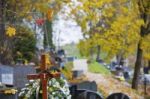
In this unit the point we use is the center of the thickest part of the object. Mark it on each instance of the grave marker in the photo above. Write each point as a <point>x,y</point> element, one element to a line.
<point>15,75</point>
<point>118,96</point>
<point>44,75</point>
<point>87,85</point>
<point>4,96</point>
<point>77,73</point>
<point>80,65</point>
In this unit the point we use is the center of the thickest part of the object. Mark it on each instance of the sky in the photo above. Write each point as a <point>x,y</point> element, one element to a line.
<point>66,31</point>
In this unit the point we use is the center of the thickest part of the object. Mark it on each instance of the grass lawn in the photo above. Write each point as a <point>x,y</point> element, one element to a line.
<point>95,67</point>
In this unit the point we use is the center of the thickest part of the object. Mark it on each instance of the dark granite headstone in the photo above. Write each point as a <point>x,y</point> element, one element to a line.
<point>126,75</point>
<point>88,94</point>
<point>71,59</point>
<point>87,85</point>
<point>118,96</point>
<point>85,94</point>
<point>4,96</point>
<point>77,73</point>
<point>77,89</point>
<point>15,75</point>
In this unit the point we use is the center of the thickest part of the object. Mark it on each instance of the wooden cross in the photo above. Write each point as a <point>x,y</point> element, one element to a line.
<point>44,75</point>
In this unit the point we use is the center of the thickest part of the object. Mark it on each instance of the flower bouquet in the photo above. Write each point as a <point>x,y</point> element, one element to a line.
<point>57,89</point>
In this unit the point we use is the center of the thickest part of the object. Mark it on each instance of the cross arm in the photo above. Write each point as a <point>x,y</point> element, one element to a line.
<point>33,76</point>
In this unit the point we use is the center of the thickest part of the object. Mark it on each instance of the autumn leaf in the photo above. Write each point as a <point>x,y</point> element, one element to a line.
<point>10,31</point>
<point>29,18</point>
<point>49,14</point>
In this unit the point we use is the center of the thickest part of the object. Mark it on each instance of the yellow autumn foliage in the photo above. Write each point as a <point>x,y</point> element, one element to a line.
<point>145,46</point>
<point>10,31</point>
<point>115,26</point>
<point>28,8</point>
<point>10,91</point>
<point>49,14</point>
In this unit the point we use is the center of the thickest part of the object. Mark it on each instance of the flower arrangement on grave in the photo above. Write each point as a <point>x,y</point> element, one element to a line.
<point>7,90</point>
<point>10,91</point>
<point>57,89</point>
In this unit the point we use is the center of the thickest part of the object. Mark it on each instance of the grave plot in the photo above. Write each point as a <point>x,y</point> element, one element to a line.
<point>118,96</point>
<point>12,79</point>
<point>48,82</point>
<point>85,90</point>
<point>15,76</point>
<point>8,92</point>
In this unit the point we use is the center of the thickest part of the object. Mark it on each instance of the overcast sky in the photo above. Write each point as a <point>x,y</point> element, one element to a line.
<point>66,31</point>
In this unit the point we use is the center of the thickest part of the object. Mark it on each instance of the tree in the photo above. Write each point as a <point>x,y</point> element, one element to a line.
<point>143,49</point>
<point>12,12</point>
<point>24,44</point>
<point>2,29</point>
<point>114,26</point>
<point>48,35</point>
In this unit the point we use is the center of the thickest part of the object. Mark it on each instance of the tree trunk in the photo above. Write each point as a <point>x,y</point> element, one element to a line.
<point>144,31</point>
<point>91,54</point>
<point>98,53</point>
<point>149,64</point>
<point>5,45</point>
<point>48,42</point>
<point>120,60</point>
<point>138,64</point>
<point>2,30</point>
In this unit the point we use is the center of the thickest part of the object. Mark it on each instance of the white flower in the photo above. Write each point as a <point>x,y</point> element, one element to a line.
<point>21,93</point>
<point>56,89</point>
<point>26,84</point>
<point>23,89</point>
<point>53,93</point>
<point>31,81</point>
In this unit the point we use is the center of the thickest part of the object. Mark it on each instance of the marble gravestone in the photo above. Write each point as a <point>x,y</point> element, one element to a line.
<point>15,76</point>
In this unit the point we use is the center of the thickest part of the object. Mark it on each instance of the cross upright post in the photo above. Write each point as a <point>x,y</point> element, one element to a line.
<point>44,75</point>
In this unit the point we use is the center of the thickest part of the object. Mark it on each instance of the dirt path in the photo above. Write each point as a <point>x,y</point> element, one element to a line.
<point>109,85</point>
<point>106,84</point>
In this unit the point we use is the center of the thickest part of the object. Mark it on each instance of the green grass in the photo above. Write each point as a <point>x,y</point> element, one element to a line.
<point>95,67</point>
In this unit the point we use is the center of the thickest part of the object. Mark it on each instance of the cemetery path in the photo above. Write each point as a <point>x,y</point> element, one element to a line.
<point>109,85</point>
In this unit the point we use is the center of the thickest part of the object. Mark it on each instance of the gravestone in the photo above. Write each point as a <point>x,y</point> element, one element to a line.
<point>87,94</point>
<point>77,73</point>
<point>15,75</point>
<point>118,96</point>
<point>85,90</point>
<point>80,65</point>
<point>78,88</point>
<point>4,96</point>
<point>4,90</point>
<point>87,85</point>
<point>71,59</point>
